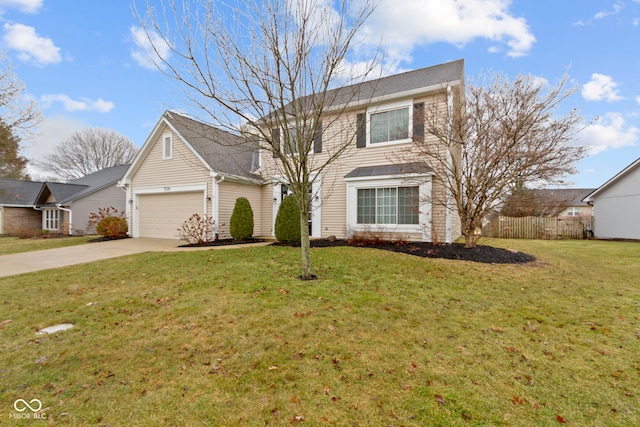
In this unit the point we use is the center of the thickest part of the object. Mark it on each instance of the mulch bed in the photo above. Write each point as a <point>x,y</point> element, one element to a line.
<point>484,254</point>
<point>221,242</point>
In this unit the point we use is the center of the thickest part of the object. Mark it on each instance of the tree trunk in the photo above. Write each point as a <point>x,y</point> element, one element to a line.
<point>305,246</point>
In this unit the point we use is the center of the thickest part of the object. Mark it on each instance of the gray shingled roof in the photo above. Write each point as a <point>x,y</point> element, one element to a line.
<point>573,196</point>
<point>389,169</point>
<point>399,83</point>
<point>19,193</point>
<point>26,193</point>
<point>224,152</point>
<point>92,182</point>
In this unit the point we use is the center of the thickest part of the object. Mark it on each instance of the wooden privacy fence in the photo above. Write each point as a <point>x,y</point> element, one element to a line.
<point>532,227</point>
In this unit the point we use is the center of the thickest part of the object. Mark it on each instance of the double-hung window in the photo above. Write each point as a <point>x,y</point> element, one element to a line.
<point>390,205</point>
<point>50,219</point>
<point>391,125</point>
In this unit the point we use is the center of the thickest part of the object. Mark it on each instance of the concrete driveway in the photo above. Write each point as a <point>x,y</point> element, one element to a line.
<point>53,258</point>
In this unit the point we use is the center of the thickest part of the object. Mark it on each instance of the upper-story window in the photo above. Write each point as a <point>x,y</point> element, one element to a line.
<point>389,126</point>
<point>573,211</point>
<point>167,147</point>
<point>291,146</point>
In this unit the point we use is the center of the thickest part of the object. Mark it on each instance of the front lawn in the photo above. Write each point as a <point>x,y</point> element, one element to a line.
<point>14,245</point>
<point>231,338</point>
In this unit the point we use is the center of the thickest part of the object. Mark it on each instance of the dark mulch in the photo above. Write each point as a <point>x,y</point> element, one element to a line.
<point>485,254</point>
<point>106,239</point>
<point>221,242</point>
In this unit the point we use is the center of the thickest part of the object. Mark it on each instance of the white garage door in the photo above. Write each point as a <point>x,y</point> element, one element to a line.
<point>160,215</point>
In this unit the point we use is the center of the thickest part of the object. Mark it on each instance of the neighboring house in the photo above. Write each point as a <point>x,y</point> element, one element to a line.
<point>552,202</point>
<point>187,167</point>
<point>26,207</point>
<point>616,205</point>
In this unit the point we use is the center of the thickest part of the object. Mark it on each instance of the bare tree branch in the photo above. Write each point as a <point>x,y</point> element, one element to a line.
<point>260,66</point>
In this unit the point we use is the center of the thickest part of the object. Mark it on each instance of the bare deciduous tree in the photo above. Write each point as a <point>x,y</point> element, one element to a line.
<point>269,66</point>
<point>88,151</point>
<point>508,133</point>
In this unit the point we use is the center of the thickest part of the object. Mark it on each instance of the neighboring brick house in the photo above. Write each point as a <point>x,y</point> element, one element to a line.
<point>29,207</point>
<point>187,167</point>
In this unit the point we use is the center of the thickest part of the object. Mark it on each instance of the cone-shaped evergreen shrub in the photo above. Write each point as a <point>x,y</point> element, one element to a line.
<point>287,226</point>
<point>241,225</point>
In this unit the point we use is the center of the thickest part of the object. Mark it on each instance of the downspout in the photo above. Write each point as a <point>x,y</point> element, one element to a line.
<point>448,209</point>
<point>215,205</point>
<point>70,217</point>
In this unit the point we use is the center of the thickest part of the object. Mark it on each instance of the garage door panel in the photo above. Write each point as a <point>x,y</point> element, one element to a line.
<point>160,215</point>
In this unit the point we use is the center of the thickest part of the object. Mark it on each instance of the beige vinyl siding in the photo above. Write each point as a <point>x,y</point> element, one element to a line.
<point>183,169</point>
<point>228,193</point>
<point>334,188</point>
<point>266,210</point>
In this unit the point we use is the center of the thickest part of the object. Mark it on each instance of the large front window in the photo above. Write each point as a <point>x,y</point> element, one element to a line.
<point>388,126</point>
<point>51,219</point>
<point>392,205</point>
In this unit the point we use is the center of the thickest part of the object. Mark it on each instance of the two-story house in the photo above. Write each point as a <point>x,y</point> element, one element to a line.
<point>380,184</point>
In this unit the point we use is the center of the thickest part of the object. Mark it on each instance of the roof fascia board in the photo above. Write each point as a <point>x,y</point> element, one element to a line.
<point>396,95</point>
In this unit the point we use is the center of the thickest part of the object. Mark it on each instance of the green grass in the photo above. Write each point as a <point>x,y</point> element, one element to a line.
<point>230,338</point>
<point>14,245</point>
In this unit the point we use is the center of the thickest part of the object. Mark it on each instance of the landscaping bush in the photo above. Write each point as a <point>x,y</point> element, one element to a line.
<point>108,222</point>
<point>287,227</point>
<point>198,229</point>
<point>112,227</point>
<point>241,224</point>
<point>96,217</point>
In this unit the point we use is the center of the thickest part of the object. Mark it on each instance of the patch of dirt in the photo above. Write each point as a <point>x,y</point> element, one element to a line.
<point>484,254</point>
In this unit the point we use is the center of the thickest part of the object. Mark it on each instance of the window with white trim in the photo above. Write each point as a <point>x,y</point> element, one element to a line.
<point>392,125</point>
<point>167,147</point>
<point>573,211</point>
<point>389,205</point>
<point>50,219</point>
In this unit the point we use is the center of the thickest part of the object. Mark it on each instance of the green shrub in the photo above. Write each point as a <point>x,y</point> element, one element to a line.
<point>112,227</point>
<point>241,224</point>
<point>287,228</point>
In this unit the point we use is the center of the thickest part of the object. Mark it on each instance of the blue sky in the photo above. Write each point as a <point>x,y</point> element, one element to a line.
<point>80,60</point>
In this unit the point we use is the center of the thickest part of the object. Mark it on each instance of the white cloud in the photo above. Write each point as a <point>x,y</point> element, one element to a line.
<point>611,131</point>
<point>31,47</point>
<point>638,99</point>
<point>601,87</point>
<point>143,52</point>
<point>402,25</point>
<point>51,132</point>
<point>25,6</point>
<point>83,104</point>
<point>617,7</point>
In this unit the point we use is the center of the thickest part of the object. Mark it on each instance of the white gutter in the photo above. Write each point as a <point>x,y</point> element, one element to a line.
<point>447,219</point>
